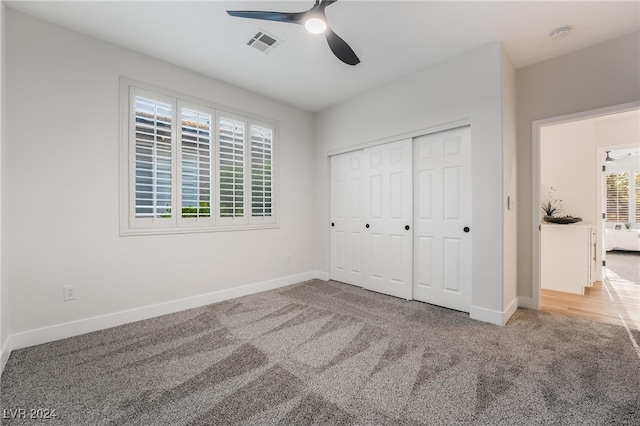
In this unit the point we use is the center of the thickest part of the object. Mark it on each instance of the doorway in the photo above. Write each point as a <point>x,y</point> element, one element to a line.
<point>568,171</point>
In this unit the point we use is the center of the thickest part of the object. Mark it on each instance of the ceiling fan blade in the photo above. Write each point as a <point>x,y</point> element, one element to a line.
<point>291,17</point>
<point>340,48</point>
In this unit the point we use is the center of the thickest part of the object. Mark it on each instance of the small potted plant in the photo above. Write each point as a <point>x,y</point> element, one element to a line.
<point>552,206</point>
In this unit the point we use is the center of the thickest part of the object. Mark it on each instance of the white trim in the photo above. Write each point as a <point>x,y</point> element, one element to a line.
<point>4,354</point>
<point>526,302</point>
<point>536,125</point>
<point>322,275</point>
<point>491,316</point>
<point>511,309</point>
<point>409,135</point>
<point>87,325</point>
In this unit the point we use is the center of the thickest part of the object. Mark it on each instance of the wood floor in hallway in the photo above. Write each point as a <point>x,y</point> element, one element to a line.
<point>609,302</point>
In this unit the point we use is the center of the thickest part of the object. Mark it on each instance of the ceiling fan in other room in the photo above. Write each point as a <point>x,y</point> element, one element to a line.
<point>617,156</point>
<point>314,20</point>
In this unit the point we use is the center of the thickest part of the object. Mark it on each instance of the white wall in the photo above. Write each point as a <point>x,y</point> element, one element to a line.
<point>568,163</point>
<point>595,77</point>
<point>468,87</point>
<point>61,156</point>
<point>618,130</point>
<point>509,155</point>
<point>4,330</point>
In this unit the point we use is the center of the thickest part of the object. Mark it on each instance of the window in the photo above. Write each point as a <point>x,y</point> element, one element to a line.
<point>231,167</point>
<point>637,200</point>
<point>261,174</point>
<point>617,197</point>
<point>192,166</point>
<point>623,195</point>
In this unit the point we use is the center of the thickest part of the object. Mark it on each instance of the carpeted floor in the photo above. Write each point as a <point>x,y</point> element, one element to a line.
<point>331,354</point>
<point>623,266</point>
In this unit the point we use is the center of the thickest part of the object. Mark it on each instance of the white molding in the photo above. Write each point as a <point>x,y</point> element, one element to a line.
<point>101,322</point>
<point>526,302</point>
<point>408,135</point>
<point>322,275</point>
<point>491,316</point>
<point>511,309</point>
<point>4,354</point>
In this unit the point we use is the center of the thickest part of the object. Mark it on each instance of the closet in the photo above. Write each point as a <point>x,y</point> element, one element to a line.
<point>401,218</point>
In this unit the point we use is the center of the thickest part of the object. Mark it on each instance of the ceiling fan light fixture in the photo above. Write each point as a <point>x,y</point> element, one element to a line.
<point>315,25</point>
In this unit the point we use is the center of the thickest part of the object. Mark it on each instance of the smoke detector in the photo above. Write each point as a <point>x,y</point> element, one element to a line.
<point>560,32</point>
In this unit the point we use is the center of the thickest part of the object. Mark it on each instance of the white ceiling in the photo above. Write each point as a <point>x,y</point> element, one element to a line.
<point>392,38</point>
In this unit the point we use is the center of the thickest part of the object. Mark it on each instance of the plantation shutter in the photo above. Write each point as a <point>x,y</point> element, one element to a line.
<point>153,168</point>
<point>196,161</point>
<point>231,170</point>
<point>637,203</point>
<point>261,174</point>
<point>617,197</point>
<point>189,167</point>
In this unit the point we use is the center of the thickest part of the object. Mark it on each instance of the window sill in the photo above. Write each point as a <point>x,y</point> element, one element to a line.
<point>198,230</point>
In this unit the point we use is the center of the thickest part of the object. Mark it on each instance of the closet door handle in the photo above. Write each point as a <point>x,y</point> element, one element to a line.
<point>367,226</point>
<point>333,224</point>
<point>407,227</point>
<point>466,229</point>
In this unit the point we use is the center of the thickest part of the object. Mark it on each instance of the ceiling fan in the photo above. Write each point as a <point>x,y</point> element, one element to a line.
<point>611,158</point>
<point>314,20</point>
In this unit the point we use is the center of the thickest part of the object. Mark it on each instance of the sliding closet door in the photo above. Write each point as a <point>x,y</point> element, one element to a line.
<point>442,266</point>
<point>388,193</point>
<point>347,226</point>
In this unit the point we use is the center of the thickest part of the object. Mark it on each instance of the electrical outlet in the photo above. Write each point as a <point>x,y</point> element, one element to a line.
<point>288,257</point>
<point>69,292</point>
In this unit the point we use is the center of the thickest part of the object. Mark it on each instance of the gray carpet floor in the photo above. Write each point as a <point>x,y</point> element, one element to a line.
<point>623,266</point>
<point>326,353</point>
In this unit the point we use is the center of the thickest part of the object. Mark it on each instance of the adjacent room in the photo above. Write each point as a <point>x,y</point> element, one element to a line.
<point>591,269</point>
<point>329,212</point>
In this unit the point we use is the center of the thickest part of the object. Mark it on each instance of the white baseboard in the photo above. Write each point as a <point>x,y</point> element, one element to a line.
<point>526,302</point>
<point>87,325</point>
<point>324,276</point>
<point>491,316</point>
<point>511,309</point>
<point>5,351</point>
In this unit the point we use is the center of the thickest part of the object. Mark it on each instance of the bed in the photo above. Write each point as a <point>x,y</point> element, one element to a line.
<point>622,239</point>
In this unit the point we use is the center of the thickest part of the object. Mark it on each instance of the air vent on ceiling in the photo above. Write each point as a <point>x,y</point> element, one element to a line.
<point>263,42</point>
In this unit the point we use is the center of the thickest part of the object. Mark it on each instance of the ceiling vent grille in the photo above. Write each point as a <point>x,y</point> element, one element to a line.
<point>263,42</point>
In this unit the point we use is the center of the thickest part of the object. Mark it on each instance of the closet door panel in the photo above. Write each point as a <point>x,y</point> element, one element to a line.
<point>347,183</point>
<point>389,212</point>
<point>442,256</point>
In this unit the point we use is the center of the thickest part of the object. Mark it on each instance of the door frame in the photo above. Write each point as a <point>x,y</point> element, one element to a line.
<point>601,152</point>
<point>536,126</point>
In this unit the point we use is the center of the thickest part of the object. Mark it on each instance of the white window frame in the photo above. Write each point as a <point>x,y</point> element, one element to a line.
<point>132,225</point>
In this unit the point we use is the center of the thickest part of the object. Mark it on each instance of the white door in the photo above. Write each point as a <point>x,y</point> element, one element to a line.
<point>442,265</point>
<point>347,181</point>
<point>388,215</point>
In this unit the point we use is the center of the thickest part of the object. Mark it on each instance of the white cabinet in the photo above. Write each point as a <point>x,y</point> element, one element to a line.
<point>567,253</point>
